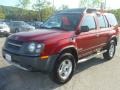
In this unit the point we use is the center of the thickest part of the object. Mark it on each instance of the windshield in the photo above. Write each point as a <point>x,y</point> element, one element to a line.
<point>66,22</point>
<point>19,23</point>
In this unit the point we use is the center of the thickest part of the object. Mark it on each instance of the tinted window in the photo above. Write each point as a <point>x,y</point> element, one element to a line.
<point>89,21</point>
<point>101,21</point>
<point>111,19</point>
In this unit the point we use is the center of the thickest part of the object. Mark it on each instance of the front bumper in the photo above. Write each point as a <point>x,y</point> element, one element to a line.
<point>31,62</point>
<point>5,33</point>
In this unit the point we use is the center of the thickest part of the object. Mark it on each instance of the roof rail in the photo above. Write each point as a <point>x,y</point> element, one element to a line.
<point>78,10</point>
<point>89,10</point>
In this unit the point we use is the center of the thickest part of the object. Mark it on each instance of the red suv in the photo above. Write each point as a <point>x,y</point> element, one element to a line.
<point>65,39</point>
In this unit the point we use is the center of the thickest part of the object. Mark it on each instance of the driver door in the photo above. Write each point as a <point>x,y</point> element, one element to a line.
<point>87,41</point>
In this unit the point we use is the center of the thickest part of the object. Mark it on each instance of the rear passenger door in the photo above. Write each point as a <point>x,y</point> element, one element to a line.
<point>103,30</point>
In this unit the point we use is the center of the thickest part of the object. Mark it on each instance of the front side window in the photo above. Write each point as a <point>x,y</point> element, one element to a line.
<point>90,22</point>
<point>66,22</point>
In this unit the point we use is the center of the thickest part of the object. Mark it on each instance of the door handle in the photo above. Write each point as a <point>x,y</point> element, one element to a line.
<point>97,35</point>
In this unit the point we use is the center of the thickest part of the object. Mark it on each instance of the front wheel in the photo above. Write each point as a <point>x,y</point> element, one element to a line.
<point>63,69</point>
<point>111,48</point>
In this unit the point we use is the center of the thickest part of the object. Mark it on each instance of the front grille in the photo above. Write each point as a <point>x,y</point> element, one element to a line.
<point>13,45</point>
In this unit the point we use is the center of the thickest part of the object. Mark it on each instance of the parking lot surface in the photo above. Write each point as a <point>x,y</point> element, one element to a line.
<point>95,74</point>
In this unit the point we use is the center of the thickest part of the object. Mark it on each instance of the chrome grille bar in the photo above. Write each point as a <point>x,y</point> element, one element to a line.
<point>14,44</point>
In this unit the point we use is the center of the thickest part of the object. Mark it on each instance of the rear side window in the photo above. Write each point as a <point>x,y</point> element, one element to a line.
<point>111,19</point>
<point>90,22</point>
<point>101,21</point>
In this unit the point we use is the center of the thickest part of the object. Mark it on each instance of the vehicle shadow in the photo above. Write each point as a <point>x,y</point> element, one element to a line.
<point>12,78</point>
<point>85,65</point>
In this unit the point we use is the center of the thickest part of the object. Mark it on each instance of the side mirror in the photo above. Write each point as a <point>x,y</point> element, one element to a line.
<point>84,29</point>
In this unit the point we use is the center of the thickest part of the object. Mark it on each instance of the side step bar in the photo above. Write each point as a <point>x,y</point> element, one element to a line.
<point>91,56</point>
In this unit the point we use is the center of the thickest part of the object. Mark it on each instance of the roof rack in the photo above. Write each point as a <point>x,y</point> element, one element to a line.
<point>79,10</point>
<point>89,10</point>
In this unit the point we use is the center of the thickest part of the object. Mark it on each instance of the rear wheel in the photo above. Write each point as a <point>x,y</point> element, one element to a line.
<point>111,48</point>
<point>63,69</point>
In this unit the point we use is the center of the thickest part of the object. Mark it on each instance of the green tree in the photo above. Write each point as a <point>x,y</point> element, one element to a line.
<point>90,3</point>
<point>39,6</point>
<point>116,12</point>
<point>2,15</point>
<point>23,3</point>
<point>47,12</point>
<point>63,7</point>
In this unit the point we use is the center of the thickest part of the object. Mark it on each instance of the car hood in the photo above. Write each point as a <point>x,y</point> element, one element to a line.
<point>42,35</point>
<point>28,26</point>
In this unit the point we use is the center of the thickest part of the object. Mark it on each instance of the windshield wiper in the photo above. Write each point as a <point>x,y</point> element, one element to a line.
<point>44,27</point>
<point>60,28</point>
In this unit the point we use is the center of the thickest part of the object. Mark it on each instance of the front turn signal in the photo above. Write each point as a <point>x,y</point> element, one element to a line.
<point>44,57</point>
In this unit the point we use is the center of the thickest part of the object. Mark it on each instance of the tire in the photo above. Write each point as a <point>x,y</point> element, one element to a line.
<point>111,48</point>
<point>63,69</point>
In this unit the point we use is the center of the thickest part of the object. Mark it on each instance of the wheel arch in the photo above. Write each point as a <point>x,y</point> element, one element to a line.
<point>72,50</point>
<point>115,39</point>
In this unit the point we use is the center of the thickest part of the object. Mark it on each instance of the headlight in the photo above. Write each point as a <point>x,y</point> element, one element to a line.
<point>35,48</point>
<point>31,47</point>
